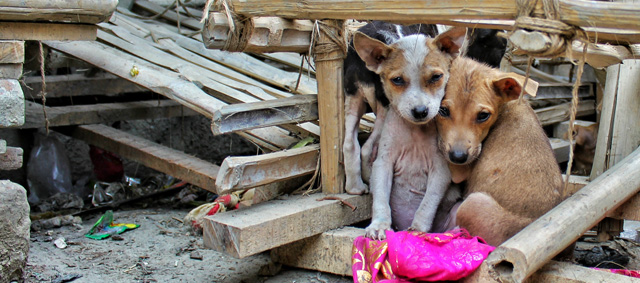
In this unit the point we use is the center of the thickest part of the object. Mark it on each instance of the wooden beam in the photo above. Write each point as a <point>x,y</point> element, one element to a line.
<point>245,172</point>
<point>11,51</point>
<point>328,252</point>
<point>11,103</point>
<point>329,68</point>
<point>102,113</point>
<point>556,91</point>
<point>574,12</point>
<point>536,244</point>
<point>236,117</point>
<point>79,85</point>
<point>244,232</point>
<point>167,160</point>
<point>46,31</point>
<point>11,159</point>
<point>77,11</point>
<point>558,113</point>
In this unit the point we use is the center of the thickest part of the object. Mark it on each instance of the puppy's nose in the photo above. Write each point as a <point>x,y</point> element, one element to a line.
<point>458,156</point>
<point>420,112</point>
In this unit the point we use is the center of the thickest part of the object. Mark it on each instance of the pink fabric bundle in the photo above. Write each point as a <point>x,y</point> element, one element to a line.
<point>416,256</point>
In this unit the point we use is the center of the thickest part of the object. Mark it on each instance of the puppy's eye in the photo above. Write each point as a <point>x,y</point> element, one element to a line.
<point>444,112</point>
<point>483,116</point>
<point>399,81</point>
<point>435,78</point>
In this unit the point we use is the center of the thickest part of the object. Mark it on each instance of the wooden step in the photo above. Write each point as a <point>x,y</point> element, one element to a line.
<point>244,232</point>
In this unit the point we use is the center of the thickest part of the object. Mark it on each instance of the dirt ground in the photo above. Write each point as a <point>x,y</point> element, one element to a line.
<point>160,250</point>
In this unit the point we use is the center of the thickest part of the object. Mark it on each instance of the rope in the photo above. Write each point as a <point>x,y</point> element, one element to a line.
<point>44,86</point>
<point>337,41</point>
<point>574,110</point>
<point>240,27</point>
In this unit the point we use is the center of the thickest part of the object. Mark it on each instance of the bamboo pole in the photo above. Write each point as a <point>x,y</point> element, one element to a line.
<point>531,248</point>
<point>574,12</point>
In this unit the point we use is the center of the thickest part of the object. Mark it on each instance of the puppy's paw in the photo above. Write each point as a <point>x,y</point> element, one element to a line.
<point>419,226</point>
<point>376,230</point>
<point>357,189</point>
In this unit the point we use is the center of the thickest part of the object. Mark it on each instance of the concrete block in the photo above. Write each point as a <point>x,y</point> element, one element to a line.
<point>11,104</point>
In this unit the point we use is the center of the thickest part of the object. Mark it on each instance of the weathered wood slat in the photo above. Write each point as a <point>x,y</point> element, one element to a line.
<point>560,149</point>
<point>79,85</point>
<point>328,252</point>
<point>249,231</point>
<point>103,113</point>
<point>159,80</point>
<point>11,51</point>
<point>579,13</point>
<point>245,172</point>
<point>76,11</point>
<point>558,113</point>
<point>167,160</point>
<point>236,117</point>
<point>46,31</point>
<point>531,248</point>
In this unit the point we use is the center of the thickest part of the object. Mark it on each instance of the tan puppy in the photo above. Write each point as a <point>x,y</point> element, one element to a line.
<point>586,138</point>
<point>498,146</point>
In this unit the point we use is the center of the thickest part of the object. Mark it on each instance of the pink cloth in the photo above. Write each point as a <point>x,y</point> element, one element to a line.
<point>417,256</point>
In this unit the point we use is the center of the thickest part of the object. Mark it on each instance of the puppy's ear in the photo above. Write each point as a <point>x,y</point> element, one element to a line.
<point>372,51</point>
<point>509,86</point>
<point>451,41</point>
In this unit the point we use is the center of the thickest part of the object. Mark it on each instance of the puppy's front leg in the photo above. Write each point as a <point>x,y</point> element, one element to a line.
<point>437,185</point>
<point>381,181</point>
<point>354,109</point>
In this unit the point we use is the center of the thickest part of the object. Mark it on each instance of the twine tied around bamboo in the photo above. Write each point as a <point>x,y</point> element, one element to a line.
<point>240,27</point>
<point>338,41</point>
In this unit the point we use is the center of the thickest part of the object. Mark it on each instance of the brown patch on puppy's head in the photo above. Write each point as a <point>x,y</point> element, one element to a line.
<point>414,70</point>
<point>473,97</point>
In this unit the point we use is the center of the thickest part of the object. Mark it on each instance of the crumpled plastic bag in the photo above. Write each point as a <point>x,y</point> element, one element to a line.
<point>48,169</point>
<point>105,227</point>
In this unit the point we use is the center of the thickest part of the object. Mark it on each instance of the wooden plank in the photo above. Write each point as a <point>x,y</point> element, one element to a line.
<point>11,159</point>
<point>103,113</point>
<point>11,51</point>
<point>236,117</point>
<point>77,11</point>
<point>328,252</point>
<point>536,244</point>
<point>625,130</point>
<point>331,113</point>
<point>555,91</point>
<point>162,81</point>
<point>10,71</point>
<point>46,31</point>
<point>11,104</point>
<point>170,15</point>
<point>560,149</point>
<point>244,232</point>
<point>574,12</point>
<point>605,126</point>
<point>167,160</point>
<point>558,113</point>
<point>79,85</point>
<point>245,172</point>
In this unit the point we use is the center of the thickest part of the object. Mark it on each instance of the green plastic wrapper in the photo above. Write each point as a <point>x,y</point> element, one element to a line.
<point>105,227</point>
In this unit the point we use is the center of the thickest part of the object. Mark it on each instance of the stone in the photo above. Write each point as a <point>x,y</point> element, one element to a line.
<point>11,104</point>
<point>14,231</point>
